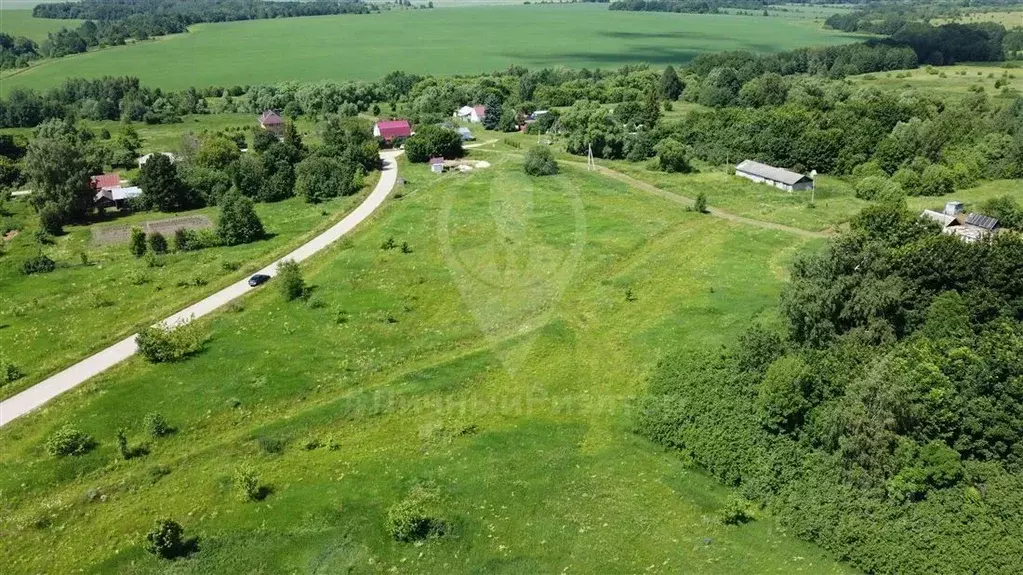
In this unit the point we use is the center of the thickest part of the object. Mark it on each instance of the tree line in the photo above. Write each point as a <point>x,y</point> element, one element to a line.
<point>884,421</point>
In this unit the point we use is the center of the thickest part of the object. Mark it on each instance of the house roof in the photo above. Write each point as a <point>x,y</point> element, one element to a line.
<point>981,221</point>
<point>394,128</point>
<point>480,110</point>
<point>944,219</point>
<point>117,194</point>
<point>464,111</point>
<point>771,173</point>
<point>436,161</point>
<point>269,118</point>
<point>106,181</point>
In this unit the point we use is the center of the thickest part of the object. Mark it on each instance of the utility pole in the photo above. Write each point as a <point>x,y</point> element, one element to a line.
<point>813,185</point>
<point>590,164</point>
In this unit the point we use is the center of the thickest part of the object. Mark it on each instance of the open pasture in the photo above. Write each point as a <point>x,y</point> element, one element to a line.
<point>21,23</point>
<point>956,80</point>
<point>491,364</point>
<point>438,41</point>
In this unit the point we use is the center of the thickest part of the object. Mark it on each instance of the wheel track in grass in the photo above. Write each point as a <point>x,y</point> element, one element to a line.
<point>673,197</point>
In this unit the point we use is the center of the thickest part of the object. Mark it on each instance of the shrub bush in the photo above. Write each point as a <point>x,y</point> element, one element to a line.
<point>166,539</point>
<point>156,425</point>
<point>39,264</point>
<point>289,280</point>
<point>158,243</point>
<point>137,242</point>
<point>160,345</point>
<point>540,161</point>
<point>246,481</point>
<point>411,520</point>
<point>700,205</point>
<point>8,371</point>
<point>69,440</point>
<point>238,222</point>
<point>672,156</point>
<point>51,221</point>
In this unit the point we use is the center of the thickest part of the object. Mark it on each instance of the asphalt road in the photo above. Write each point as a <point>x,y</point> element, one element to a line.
<point>79,373</point>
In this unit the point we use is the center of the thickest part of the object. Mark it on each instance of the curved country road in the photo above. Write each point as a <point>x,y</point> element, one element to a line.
<point>95,364</point>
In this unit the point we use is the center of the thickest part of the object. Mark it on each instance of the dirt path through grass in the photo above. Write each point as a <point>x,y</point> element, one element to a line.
<point>673,197</point>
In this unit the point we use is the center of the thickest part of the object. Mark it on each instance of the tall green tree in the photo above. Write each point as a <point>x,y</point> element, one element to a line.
<point>238,222</point>
<point>671,85</point>
<point>161,187</point>
<point>59,163</point>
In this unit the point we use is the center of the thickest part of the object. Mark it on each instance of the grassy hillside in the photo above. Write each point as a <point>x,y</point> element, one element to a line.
<point>21,23</point>
<point>492,365</point>
<point>425,41</point>
<point>951,80</point>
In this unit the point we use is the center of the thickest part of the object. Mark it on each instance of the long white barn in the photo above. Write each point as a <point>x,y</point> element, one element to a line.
<point>777,177</point>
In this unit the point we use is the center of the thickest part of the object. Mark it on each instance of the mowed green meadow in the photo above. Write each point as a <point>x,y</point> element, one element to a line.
<point>493,364</point>
<point>21,23</point>
<point>439,41</point>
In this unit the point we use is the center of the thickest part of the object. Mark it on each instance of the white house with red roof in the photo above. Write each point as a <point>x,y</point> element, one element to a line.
<point>472,114</point>
<point>391,129</point>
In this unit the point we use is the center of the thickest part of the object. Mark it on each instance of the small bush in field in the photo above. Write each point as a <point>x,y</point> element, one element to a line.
<point>137,242</point>
<point>413,519</point>
<point>540,161</point>
<point>246,481</point>
<point>8,371</point>
<point>289,280</point>
<point>39,264</point>
<point>160,345</point>
<point>69,440</point>
<point>156,425</point>
<point>166,539</point>
<point>736,512</point>
<point>158,243</point>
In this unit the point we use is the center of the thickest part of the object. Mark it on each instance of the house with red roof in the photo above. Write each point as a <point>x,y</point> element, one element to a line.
<point>271,122</point>
<point>389,130</point>
<point>473,114</point>
<point>106,181</point>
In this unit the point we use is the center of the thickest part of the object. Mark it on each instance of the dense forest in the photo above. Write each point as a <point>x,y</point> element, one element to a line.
<point>885,421</point>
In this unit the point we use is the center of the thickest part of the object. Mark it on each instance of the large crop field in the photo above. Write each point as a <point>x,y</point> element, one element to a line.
<point>21,23</point>
<point>440,41</point>
<point>489,369</point>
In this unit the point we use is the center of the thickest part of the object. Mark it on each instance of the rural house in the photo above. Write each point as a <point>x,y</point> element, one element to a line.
<point>116,197</point>
<point>271,122</point>
<point>389,130</point>
<point>473,114</point>
<point>143,159</point>
<point>777,177</point>
<point>107,181</point>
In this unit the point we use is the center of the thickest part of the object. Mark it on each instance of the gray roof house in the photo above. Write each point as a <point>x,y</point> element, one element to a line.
<point>777,177</point>
<point>465,134</point>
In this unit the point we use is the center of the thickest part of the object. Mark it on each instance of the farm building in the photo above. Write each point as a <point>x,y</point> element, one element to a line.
<point>143,159</point>
<point>969,228</point>
<point>107,181</point>
<point>472,114</point>
<point>465,134</point>
<point>391,129</point>
<point>116,197</point>
<point>777,177</point>
<point>271,122</point>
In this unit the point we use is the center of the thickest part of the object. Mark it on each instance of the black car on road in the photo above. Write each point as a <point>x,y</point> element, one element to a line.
<point>258,280</point>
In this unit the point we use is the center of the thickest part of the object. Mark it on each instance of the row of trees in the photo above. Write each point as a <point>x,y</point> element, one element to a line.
<point>107,98</point>
<point>61,158</point>
<point>894,398</point>
<point>195,11</point>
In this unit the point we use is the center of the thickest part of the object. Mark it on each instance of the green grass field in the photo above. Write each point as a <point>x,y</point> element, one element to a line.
<point>494,363</point>
<point>21,23</point>
<point>426,42</point>
<point>951,80</point>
